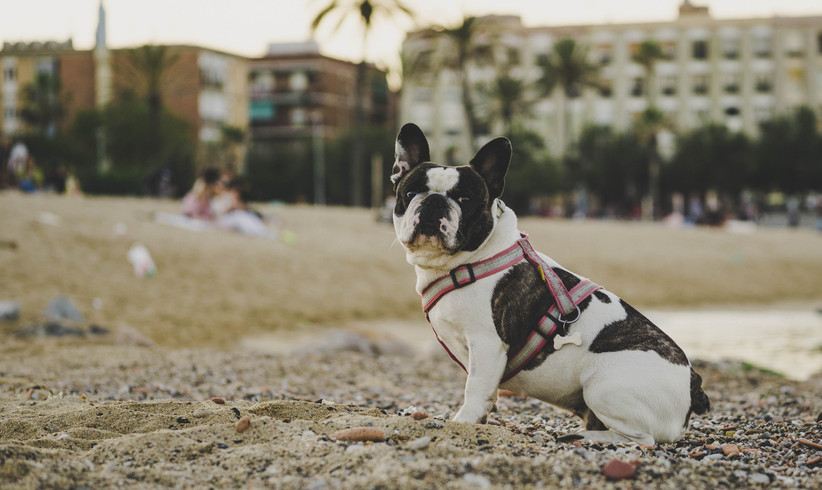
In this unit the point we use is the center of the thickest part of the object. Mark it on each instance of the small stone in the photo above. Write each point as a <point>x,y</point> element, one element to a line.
<point>507,393</point>
<point>730,449</point>
<point>759,478</point>
<point>218,401</point>
<point>476,480</point>
<point>419,415</point>
<point>809,443</point>
<point>243,424</point>
<point>618,470</point>
<point>201,413</point>
<point>359,434</point>
<point>420,443</point>
<point>64,436</point>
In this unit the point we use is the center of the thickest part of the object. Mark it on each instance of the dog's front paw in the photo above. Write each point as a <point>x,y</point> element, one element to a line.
<point>469,417</point>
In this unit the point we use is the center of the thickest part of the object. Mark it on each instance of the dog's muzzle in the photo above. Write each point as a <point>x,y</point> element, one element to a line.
<point>433,212</point>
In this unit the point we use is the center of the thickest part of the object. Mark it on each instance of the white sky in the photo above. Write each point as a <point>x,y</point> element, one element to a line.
<point>246,27</point>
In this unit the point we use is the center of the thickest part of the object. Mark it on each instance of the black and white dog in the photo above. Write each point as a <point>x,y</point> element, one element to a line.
<point>597,357</point>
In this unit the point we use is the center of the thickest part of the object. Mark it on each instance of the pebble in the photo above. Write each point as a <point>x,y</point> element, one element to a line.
<point>359,434</point>
<point>476,480</point>
<point>759,478</point>
<point>618,470</point>
<point>420,443</point>
<point>730,450</point>
<point>419,415</point>
<point>218,401</point>
<point>243,424</point>
<point>201,413</point>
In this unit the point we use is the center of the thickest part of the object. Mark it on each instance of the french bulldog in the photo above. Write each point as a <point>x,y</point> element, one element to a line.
<point>624,377</point>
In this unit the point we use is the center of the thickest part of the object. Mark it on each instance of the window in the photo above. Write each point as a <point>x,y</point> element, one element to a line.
<point>764,83</point>
<point>700,84</point>
<point>668,85</point>
<point>730,82</point>
<point>10,74</point>
<point>638,87</point>
<point>762,46</point>
<point>730,48</point>
<point>298,81</point>
<point>605,88</point>
<point>668,50</point>
<point>731,111</point>
<point>700,50</point>
<point>603,54</point>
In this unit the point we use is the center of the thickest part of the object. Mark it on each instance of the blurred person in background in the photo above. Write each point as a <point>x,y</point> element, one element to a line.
<point>197,202</point>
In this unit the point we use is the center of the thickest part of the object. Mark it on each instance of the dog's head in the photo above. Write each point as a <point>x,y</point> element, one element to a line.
<point>442,210</point>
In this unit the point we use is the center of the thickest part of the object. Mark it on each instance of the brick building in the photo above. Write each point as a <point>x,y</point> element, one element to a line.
<point>294,86</point>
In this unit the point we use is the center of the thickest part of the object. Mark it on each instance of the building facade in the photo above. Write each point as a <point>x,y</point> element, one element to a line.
<point>739,72</point>
<point>294,88</point>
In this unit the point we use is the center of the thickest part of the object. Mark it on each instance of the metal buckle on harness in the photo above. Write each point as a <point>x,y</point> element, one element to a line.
<point>471,278</point>
<point>561,323</point>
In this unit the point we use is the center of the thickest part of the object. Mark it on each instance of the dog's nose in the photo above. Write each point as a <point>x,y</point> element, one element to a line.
<point>432,211</point>
<point>434,201</point>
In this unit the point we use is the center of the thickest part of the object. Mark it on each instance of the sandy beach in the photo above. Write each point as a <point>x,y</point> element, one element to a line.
<point>319,332</point>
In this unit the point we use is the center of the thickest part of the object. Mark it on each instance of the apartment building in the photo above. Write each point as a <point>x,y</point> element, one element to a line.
<point>294,89</point>
<point>738,72</point>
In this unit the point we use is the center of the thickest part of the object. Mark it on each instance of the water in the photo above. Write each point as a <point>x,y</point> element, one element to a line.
<point>785,340</point>
<point>788,341</point>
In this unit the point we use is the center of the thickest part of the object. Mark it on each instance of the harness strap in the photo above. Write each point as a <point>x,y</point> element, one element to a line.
<point>565,302</point>
<point>466,274</point>
<point>547,329</point>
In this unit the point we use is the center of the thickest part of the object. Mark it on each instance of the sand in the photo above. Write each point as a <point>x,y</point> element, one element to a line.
<point>132,407</point>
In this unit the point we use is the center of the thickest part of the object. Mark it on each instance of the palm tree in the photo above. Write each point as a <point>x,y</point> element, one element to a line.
<point>43,103</point>
<point>149,67</point>
<point>465,47</point>
<point>567,67</point>
<point>365,11</point>
<point>652,120</point>
<point>507,97</point>
<point>647,55</point>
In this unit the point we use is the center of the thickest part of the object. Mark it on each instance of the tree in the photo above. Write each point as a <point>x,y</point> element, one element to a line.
<point>647,55</point>
<point>148,67</point>
<point>365,11</point>
<point>466,48</point>
<point>788,154</point>
<point>43,104</point>
<point>612,166</point>
<point>566,68</point>
<point>507,99</point>
<point>710,157</point>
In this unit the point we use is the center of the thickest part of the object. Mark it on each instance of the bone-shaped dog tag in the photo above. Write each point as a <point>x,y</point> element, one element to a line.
<point>575,338</point>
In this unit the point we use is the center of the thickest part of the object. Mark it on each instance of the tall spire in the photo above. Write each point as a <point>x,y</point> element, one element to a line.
<point>101,27</point>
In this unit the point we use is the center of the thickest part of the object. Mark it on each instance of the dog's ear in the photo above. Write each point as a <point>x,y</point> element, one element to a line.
<point>411,150</point>
<point>491,162</point>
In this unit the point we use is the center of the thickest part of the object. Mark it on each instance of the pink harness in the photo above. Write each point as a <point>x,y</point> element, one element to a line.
<point>565,304</point>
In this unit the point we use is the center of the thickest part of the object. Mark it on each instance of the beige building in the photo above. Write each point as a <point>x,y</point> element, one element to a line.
<point>733,71</point>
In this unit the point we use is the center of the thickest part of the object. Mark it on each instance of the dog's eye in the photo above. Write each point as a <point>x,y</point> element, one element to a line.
<point>410,194</point>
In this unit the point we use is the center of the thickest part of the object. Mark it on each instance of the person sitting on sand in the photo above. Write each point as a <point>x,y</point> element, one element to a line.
<point>197,203</point>
<point>238,216</point>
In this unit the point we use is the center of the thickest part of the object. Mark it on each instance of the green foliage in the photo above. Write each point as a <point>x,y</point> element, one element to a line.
<point>788,154</point>
<point>286,172</point>
<point>612,166</point>
<point>710,157</point>
<point>43,103</point>
<point>567,67</point>
<point>532,172</point>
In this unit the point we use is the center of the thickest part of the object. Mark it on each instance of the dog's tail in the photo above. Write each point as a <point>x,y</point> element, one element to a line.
<point>699,400</point>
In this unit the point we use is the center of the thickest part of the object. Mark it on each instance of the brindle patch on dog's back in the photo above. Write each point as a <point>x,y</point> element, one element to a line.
<point>636,332</point>
<point>520,300</point>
